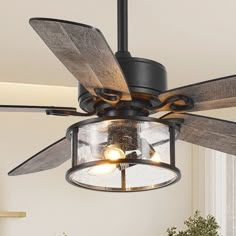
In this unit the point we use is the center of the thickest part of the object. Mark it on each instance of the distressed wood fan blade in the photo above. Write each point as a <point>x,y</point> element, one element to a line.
<point>211,94</point>
<point>24,108</point>
<point>49,158</point>
<point>208,132</point>
<point>84,52</point>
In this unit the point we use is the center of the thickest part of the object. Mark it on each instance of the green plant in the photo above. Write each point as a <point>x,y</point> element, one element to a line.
<point>197,226</point>
<point>64,234</point>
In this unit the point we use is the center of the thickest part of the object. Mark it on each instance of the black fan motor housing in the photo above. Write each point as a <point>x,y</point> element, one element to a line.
<point>145,78</point>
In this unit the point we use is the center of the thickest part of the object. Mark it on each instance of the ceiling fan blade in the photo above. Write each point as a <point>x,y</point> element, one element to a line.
<point>211,94</point>
<point>208,132</point>
<point>85,53</point>
<point>24,108</point>
<point>49,158</point>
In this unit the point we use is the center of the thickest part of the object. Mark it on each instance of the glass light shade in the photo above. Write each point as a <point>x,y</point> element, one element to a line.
<point>122,155</point>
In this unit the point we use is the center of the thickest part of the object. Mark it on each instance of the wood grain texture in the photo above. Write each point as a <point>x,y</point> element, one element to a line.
<point>49,158</point>
<point>26,108</point>
<point>85,53</point>
<point>7,214</point>
<point>212,94</point>
<point>207,132</point>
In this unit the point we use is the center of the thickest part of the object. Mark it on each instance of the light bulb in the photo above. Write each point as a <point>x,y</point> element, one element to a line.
<point>101,170</point>
<point>156,157</point>
<point>112,152</point>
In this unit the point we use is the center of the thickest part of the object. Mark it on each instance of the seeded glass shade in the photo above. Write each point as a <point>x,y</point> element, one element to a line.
<point>121,155</point>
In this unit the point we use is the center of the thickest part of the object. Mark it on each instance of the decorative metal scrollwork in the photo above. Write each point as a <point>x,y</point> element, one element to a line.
<point>173,105</point>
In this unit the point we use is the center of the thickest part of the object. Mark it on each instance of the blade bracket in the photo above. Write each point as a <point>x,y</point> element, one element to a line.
<point>108,95</point>
<point>176,103</point>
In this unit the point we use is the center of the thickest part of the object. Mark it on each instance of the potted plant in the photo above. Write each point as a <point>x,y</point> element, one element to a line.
<point>197,226</point>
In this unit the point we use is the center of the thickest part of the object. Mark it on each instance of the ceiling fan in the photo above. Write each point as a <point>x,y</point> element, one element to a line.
<point>124,149</point>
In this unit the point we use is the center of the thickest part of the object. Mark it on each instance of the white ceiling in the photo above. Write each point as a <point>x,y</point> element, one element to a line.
<point>195,40</point>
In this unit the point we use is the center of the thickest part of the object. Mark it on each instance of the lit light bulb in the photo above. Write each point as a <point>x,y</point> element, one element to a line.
<point>101,170</point>
<point>156,157</point>
<point>112,152</point>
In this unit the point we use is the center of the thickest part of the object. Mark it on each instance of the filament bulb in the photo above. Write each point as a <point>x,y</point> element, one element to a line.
<point>156,157</point>
<point>113,152</point>
<point>101,170</point>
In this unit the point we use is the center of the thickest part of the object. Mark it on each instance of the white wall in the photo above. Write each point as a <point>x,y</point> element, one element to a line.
<point>54,206</point>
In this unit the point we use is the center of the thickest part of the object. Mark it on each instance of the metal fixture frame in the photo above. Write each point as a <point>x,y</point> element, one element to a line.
<point>72,131</point>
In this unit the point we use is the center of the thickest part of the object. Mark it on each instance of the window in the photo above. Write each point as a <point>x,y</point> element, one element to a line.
<point>214,187</point>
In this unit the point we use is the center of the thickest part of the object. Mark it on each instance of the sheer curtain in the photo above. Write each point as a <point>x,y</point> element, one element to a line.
<point>214,187</point>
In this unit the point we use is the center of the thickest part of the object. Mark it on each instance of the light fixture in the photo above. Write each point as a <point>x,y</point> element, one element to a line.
<point>123,154</point>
